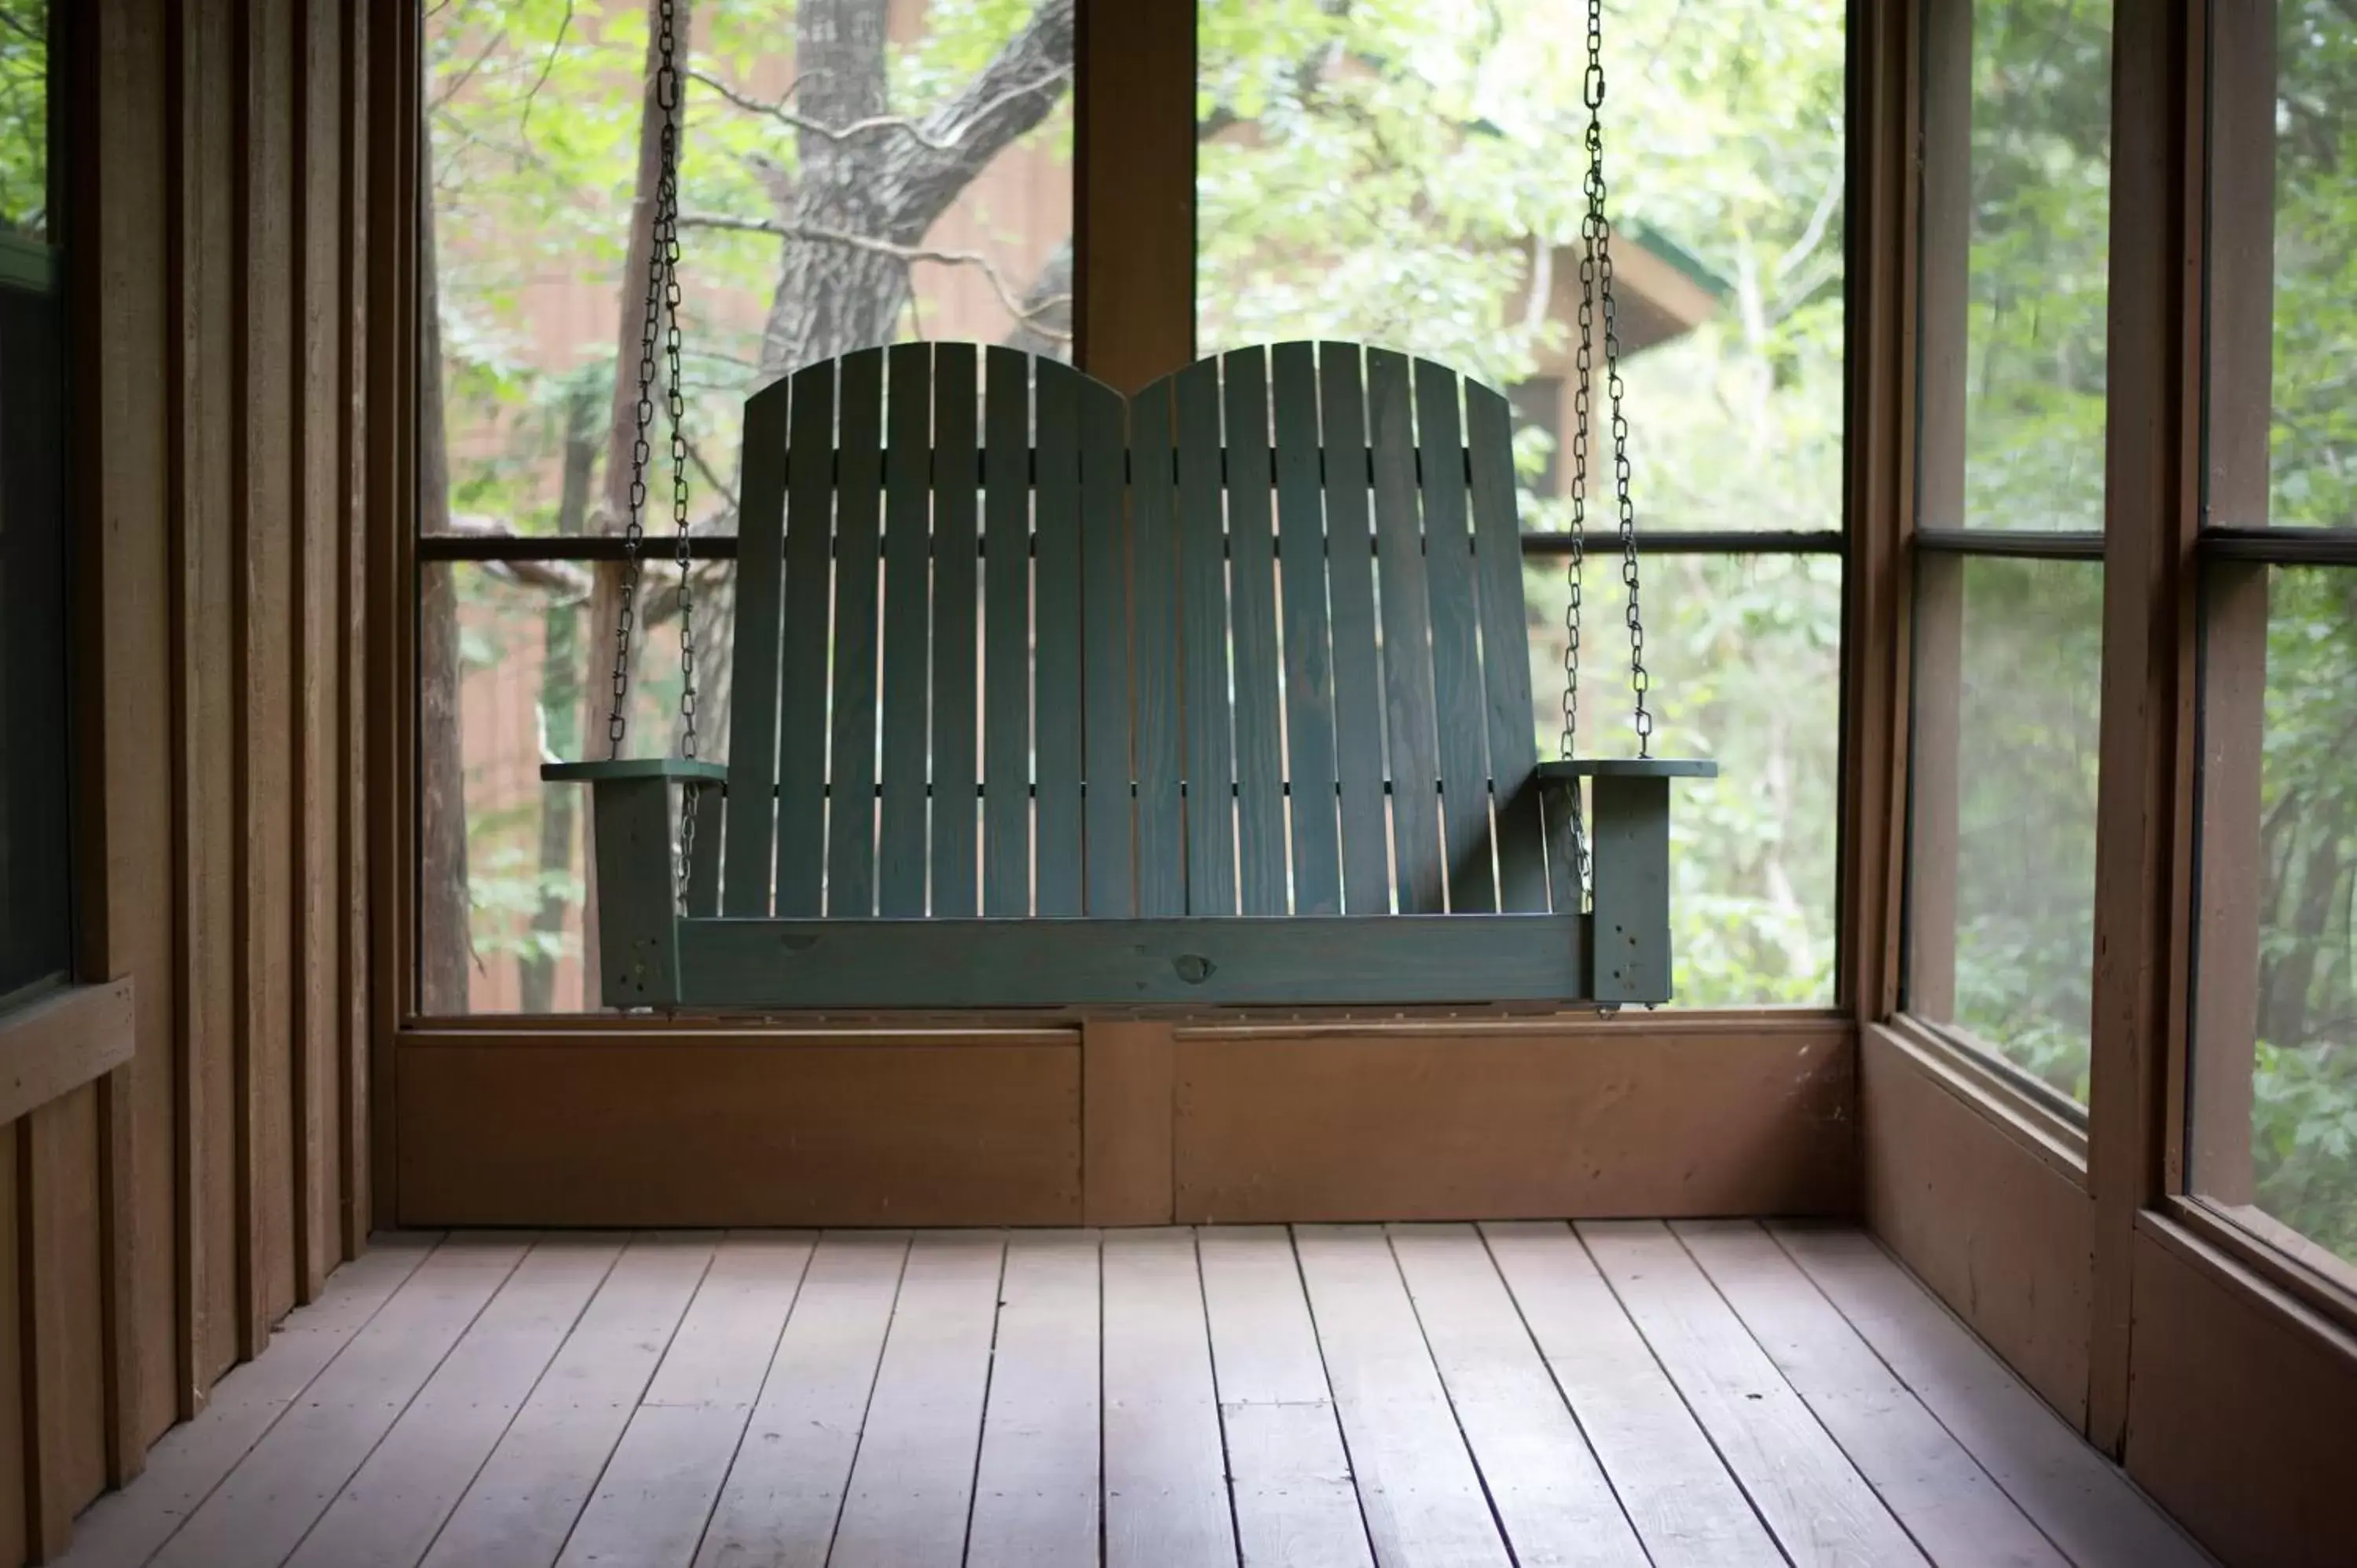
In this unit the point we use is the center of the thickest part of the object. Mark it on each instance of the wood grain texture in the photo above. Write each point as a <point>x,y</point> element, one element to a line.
<point>1253,618</point>
<point>902,842</point>
<point>1057,704</point>
<point>1036,1483</point>
<point>957,564</point>
<point>1988,1224</point>
<point>1134,184</point>
<point>2214,1350</point>
<point>755,652</point>
<point>1107,804</point>
<point>1310,675</point>
<point>62,1042</point>
<point>1207,732</point>
<point>1821,1510</point>
<point>803,639</point>
<point>16,1505</point>
<point>911,1488</point>
<point>2069,1490</point>
<point>1410,718</point>
<point>262,1508</point>
<point>1125,1118</point>
<point>785,1489</point>
<point>1007,634</point>
<point>1505,650</point>
<point>389,1513</point>
<point>684,1133</point>
<point>522,1504</point>
<point>1528,1119</point>
<point>1287,1471</point>
<point>1165,1503</point>
<point>1458,698</point>
<point>60,1274</point>
<point>850,875</point>
<point>1158,760</point>
<point>656,1494</point>
<point>1930,1482</point>
<point>1360,754</point>
<point>1550,1494</point>
<point>1422,1497</point>
<point>1685,1507</point>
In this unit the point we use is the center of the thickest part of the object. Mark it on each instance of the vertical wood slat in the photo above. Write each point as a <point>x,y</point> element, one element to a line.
<point>1505,653</point>
<point>359,1194</point>
<point>1203,636</point>
<point>1251,595</point>
<point>1358,663</point>
<point>59,1274</point>
<point>956,588</point>
<point>1107,805</point>
<point>264,615</point>
<point>1058,629</point>
<point>1407,638</point>
<point>851,755</point>
<point>319,86</point>
<point>802,641</point>
<point>1308,652</point>
<point>907,473</point>
<point>754,660</point>
<point>1456,664</point>
<point>1153,612</point>
<point>15,1509</point>
<point>1007,634</point>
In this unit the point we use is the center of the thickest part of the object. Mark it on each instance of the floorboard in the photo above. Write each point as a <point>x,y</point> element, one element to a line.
<point>1705,1394</point>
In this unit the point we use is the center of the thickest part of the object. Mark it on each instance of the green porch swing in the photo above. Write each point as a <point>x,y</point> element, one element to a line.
<point>1215,696</point>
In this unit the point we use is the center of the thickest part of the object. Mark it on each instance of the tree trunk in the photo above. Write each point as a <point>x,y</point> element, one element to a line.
<point>560,711</point>
<point>445,938</point>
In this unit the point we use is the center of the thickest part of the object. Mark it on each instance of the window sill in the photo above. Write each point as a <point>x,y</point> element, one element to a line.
<point>62,1041</point>
<point>1972,1072</point>
<point>2277,1255</point>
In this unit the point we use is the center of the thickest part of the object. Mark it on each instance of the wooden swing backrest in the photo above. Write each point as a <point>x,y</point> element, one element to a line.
<point>1251,642</point>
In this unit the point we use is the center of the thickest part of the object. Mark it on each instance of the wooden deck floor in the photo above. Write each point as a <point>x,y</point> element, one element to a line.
<point>1715,1394</point>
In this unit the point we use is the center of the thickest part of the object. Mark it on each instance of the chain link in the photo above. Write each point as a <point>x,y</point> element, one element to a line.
<point>660,331</point>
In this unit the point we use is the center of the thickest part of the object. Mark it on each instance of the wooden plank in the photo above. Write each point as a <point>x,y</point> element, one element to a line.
<point>911,1488</point>
<point>1205,728</point>
<point>1133,193</point>
<point>124,1528</point>
<point>1457,693</point>
<point>754,653</point>
<point>1821,1509</point>
<point>956,561</point>
<point>1165,1496</point>
<point>1295,1503</point>
<point>1505,651</point>
<point>264,723</point>
<point>354,1111</point>
<point>1036,1485</point>
<point>1411,721</point>
<point>1308,651</point>
<point>523,1502</point>
<point>803,639</point>
<point>1454,1122</point>
<point>1688,1509</point>
<point>1057,626</point>
<point>1260,852</point>
<point>1979,1214</point>
<point>1154,608</point>
<point>54,1045</point>
<point>657,1493</point>
<point>1125,1122</point>
<point>1359,679</point>
<point>319,89</point>
<point>389,1514</point>
<point>261,1510</point>
<point>60,1274</point>
<point>15,1505</point>
<point>2081,1503</point>
<point>704,1131</point>
<point>1938,1492</point>
<point>785,1489</point>
<point>1629,838</point>
<point>2260,1477</point>
<point>851,755</point>
<point>1405,960</point>
<point>1550,1494</point>
<point>1007,634</point>
<point>1423,1499</point>
<point>902,847</point>
<point>1112,867</point>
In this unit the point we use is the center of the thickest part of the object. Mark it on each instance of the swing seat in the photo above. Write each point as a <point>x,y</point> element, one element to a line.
<point>1216,696</point>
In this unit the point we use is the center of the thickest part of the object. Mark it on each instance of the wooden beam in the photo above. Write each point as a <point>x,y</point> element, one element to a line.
<point>2152,511</point>
<point>1134,197</point>
<point>49,1048</point>
<point>1125,1115</point>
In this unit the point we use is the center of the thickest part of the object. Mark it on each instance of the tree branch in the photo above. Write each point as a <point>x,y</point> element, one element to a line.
<point>1004,101</point>
<point>913,129</point>
<point>1016,305</point>
<point>523,125</point>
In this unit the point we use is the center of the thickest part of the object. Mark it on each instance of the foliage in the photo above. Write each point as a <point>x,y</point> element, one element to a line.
<point>24,115</point>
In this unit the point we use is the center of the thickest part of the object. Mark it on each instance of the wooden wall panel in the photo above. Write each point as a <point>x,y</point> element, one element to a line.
<point>2218,1355</point>
<point>679,1130</point>
<point>1989,1221</point>
<point>1657,1118</point>
<point>13,1469</point>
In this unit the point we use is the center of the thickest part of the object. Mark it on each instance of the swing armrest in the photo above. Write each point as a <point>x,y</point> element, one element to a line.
<point>1550,773</point>
<point>677,769</point>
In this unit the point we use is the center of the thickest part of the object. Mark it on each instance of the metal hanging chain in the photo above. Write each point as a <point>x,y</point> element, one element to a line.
<point>1596,273</point>
<point>660,326</point>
